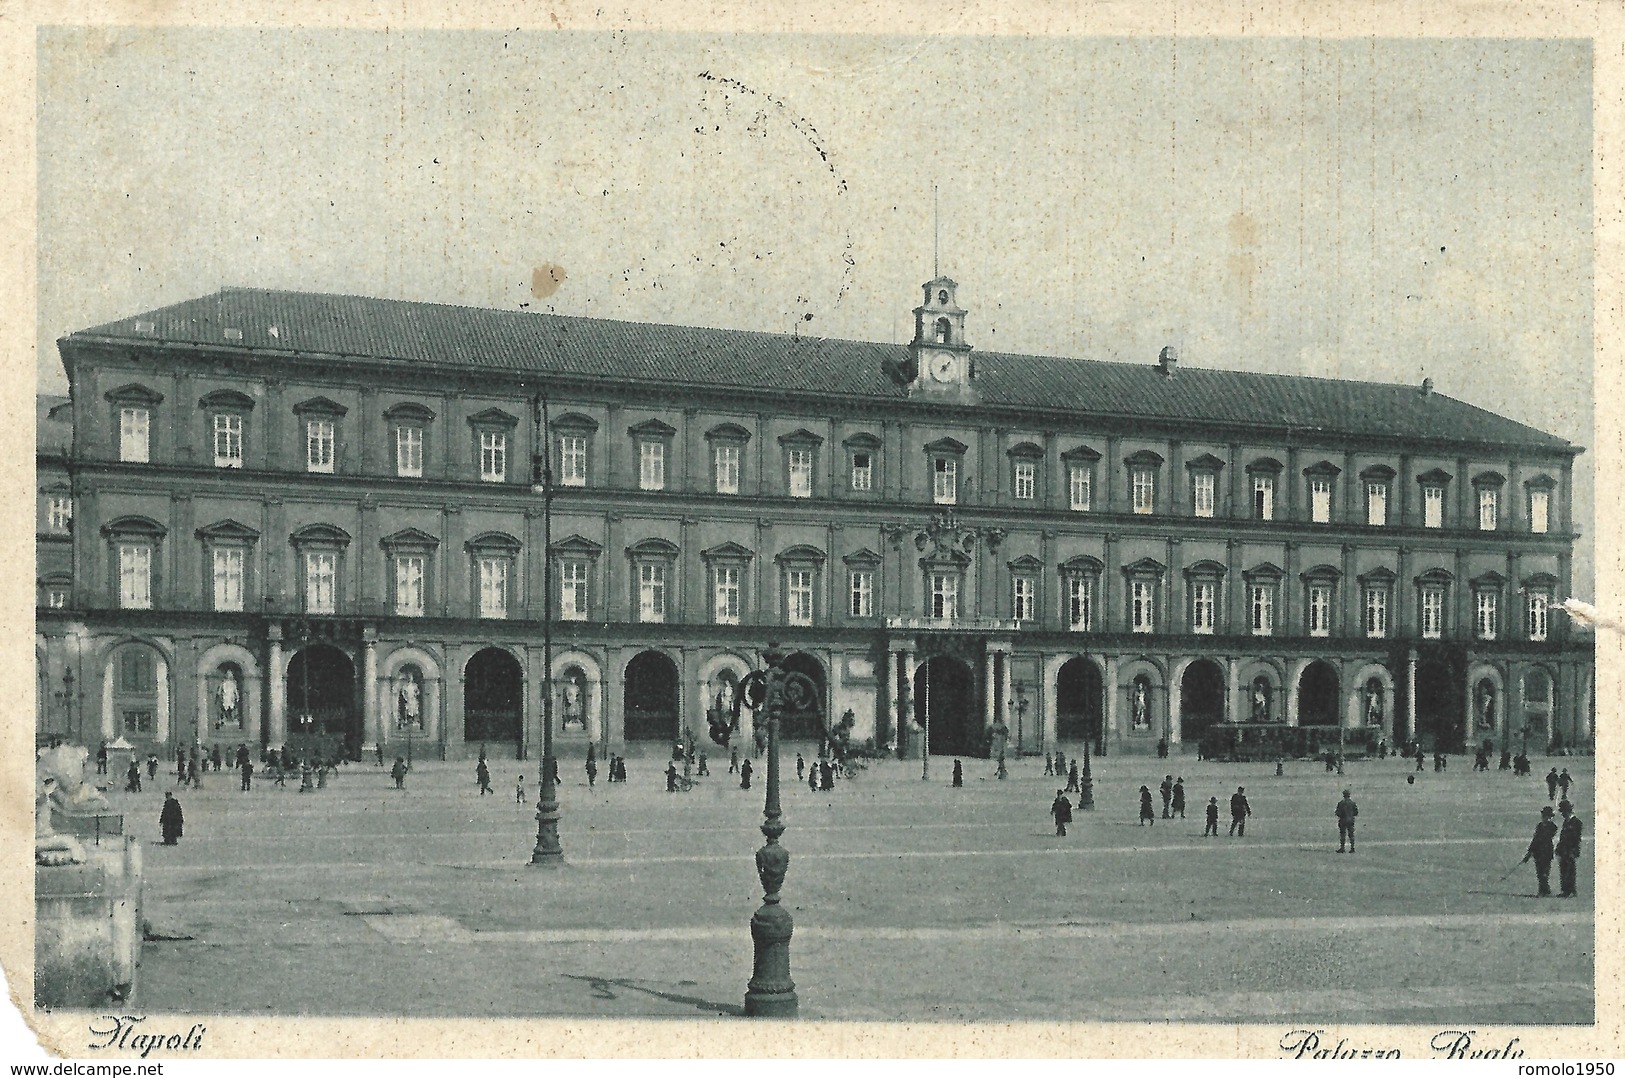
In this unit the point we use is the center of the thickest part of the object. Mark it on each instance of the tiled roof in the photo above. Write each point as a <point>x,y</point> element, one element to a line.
<point>524,342</point>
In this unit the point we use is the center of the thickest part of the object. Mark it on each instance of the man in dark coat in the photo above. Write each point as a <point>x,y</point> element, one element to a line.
<point>214,758</point>
<point>671,777</point>
<point>1420,757</point>
<point>1060,763</point>
<point>1072,778</point>
<point>1564,781</point>
<point>1167,791</point>
<point>1239,811</point>
<point>733,759</point>
<point>592,767</point>
<point>1061,809</point>
<point>170,819</point>
<point>959,775</point>
<point>1551,785</point>
<point>246,766</point>
<point>398,772</point>
<point>242,755</point>
<point>1568,850</point>
<point>101,759</point>
<point>132,778</point>
<point>152,765</point>
<point>1506,759</point>
<point>744,774</point>
<point>826,775</point>
<point>1049,764</point>
<point>1346,811</point>
<point>1540,850</point>
<point>1212,827</point>
<point>1179,797</point>
<point>482,775</point>
<point>801,768</point>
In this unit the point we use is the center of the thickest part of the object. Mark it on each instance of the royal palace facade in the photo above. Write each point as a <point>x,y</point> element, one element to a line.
<point>265,514</point>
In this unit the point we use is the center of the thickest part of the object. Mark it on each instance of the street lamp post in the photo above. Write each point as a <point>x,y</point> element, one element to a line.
<point>548,851</point>
<point>771,993</point>
<point>925,740</point>
<point>66,697</point>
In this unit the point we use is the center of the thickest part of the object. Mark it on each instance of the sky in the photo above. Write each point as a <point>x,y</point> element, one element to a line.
<point>1379,209</point>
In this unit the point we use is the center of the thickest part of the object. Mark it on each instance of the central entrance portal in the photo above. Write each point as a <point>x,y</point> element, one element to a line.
<point>323,718</point>
<point>1079,704</point>
<point>945,704</point>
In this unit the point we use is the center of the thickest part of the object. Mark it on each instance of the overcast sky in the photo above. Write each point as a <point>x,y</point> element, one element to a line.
<point>1352,208</point>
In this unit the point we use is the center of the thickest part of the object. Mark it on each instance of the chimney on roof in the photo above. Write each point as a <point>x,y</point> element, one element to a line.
<point>1168,361</point>
<point>1427,387</point>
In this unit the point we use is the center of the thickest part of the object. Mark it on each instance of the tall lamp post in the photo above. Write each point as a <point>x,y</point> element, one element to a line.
<point>547,851</point>
<point>66,697</point>
<point>771,993</point>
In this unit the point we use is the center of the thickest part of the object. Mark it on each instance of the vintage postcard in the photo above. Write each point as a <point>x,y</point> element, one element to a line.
<point>978,530</point>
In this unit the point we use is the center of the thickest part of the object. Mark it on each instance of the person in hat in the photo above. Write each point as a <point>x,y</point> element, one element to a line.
<point>744,774</point>
<point>1568,850</point>
<point>1146,813</point>
<point>1179,797</point>
<point>1551,785</point>
<point>398,771</point>
<point>170,819</point>
<point>1346,811</point>
<point>1564,781</point>
<point>1061,809</point>
<point>1239,811</point>
<point>1212,827</point>
<point>1540,851</point>
<point>1167,791</point>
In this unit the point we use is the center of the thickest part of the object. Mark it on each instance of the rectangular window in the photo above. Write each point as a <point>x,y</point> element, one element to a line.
<point>228,578</point>
<point>493,587</point>
<point>228,440</point>
<point>1432,613</point>
<point>651,465</point>
<point>1023,594</point>
<point>1320,500</point>
<point>1540,511</point>
<point>573,591</point>
<point>573,460</point>
<point>1144,490</point>
<point>1204,487</point>
<point>56,599</point>
<point>60,515</point>
<point>1079,604</point>
<point>493,456</point>
<point>1079,482</point>
<point>727,469</point>
<point>1026,479</point>
<point>1376,612</point>
<point>1432,507</point>
<point>725,603</point>
<point>1489,504</point>
<point>863,593</point>
<point>1539,606</point>
<point>319,437</point>
<point>138,722</point>
<point>409,452</point>
<point>651,592</point>
<point>136,672</point>
<point>132,434</point>
<point>863,471</point>
<point>801,473</point>
<point>1320,610</point>
<point>945,481</point>
<point>944,595</point>
<point>1204,607</point>
<point>1263,497</point>
<point>409,574</point>
<point>135,576</point>
<point>1142,612</point>
<point>1486,606</point>
<point>1376,504</point>
<point>1261,601</point>
<point>321,582</point>
<point>798,594</point>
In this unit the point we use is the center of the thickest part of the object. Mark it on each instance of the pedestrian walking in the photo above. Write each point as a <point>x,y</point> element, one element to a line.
<point>1167,791</point>
<point>397,772</point>
<point>132,778</point>
<point>826,775</point>
<point>101,759</point>
<point>482,775</point>
<point>733,760</point>
<point>744,775</point>
<point>171,819</point>
<point>307,776</point>
<point>194,774</point>
<point>704,768</point>
<point>214,758</point>
<point>1568,850</point>
<point>1239,811</point>
<point>247,769</point>
<point>242,755</point>
<point>801,768</point>
<point>1551,785</point>
<point>1179,797</point>
<point>1564,781</point>
<point>1061,809</point>
<point>959,775</point>
<point>1049,764</point>
<point>1146,814</point>
<point>519,792</point>
<point>180,764</point>
<point>1072,779</point>
<point>812,778</point>
<point>671,776</point>
<point>1212,827</point>
<point>1060,763</point>
<point>1420,758</point>
<point>152,765</point>
<point>1346,811</point>
<point>592,768</point>
<point>1506,759</point>
<point>1540,851</point>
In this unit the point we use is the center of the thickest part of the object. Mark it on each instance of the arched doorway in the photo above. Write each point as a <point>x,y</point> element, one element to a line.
<point>1079,702</point>
<point>493,698</point>
<point>651,698</point>
<point>1537,708</point>
<point>1318,693</point>
<point>1440,706</point>
<point>1201,699</point>
<point>809,723</point>
<point>321,702</point>
<point>140,695</point>
<point>945,696</point>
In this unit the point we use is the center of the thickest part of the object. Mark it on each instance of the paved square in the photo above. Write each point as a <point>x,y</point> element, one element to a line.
<point>912,900</point>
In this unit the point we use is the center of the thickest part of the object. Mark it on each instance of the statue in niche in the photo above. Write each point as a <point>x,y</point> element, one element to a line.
<point>1140,706</point>
<point>409,701</point>
<point>1486,705</point>
<point>1373,703</point>
<point>227,699</point>
<point>574,700</point>
<point>1261,700</point>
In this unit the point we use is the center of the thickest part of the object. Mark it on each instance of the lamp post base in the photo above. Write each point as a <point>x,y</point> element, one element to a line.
<point>771,993</point>
<point>547,851</point>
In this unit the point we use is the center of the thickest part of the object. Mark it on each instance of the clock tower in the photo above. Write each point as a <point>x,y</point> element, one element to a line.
<point>939,353</point>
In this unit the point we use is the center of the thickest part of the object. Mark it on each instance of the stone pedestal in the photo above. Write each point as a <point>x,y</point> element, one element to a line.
<point>88,930</point>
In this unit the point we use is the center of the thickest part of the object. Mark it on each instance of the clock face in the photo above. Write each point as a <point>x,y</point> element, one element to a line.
<point>942,369</point>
